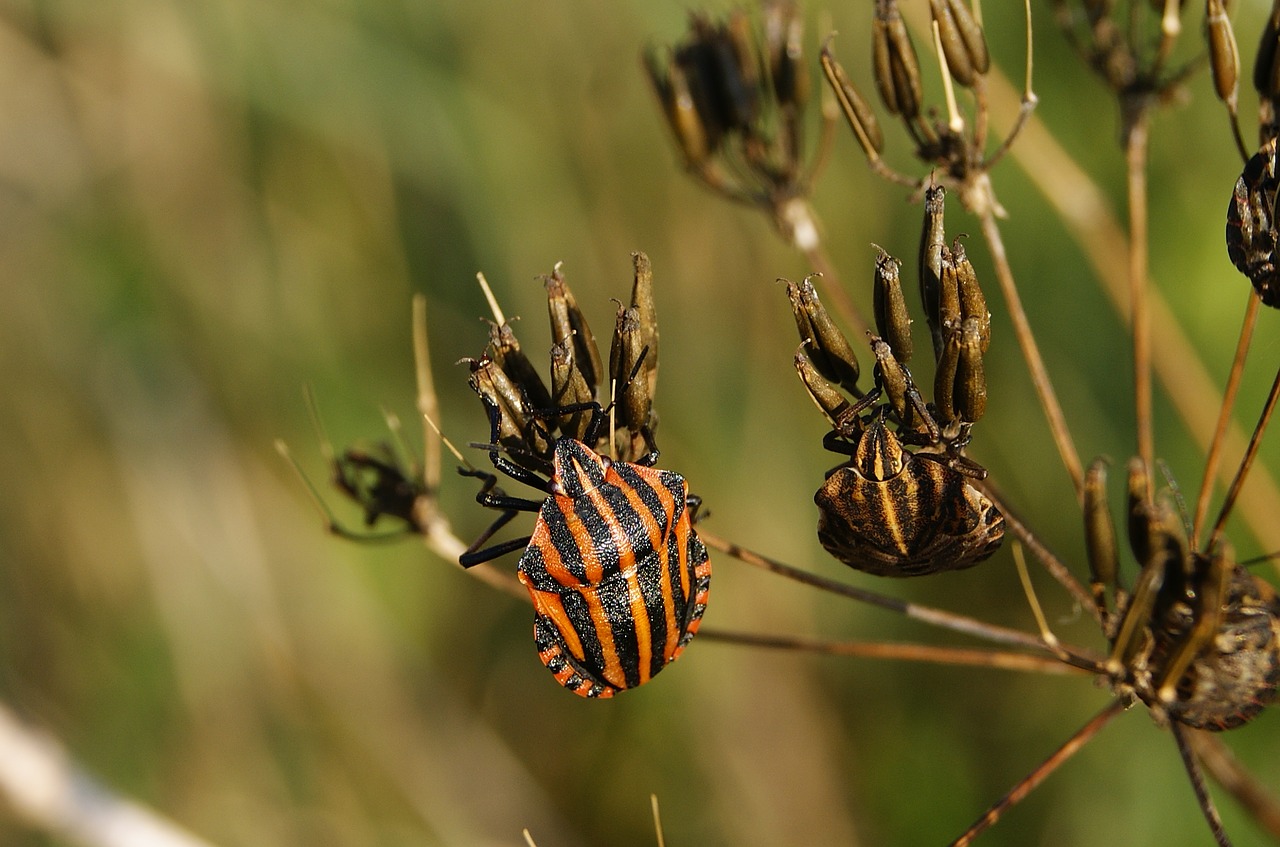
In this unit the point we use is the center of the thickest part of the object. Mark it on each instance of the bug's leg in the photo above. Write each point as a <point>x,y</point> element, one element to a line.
<point>493,497</point>
<point>473,557</point>
<point>1212,576</point>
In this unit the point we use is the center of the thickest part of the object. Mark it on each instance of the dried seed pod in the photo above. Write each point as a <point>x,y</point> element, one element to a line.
<point>784,54</point>
<point>516,432</point>
<point>634,400</point>
<point>973,305</point>
<point>505,351</point>
<point>569,327</point>
<point>897,70</point>
<point>680,109</point>
<point>829,350</point>
<point>963,42</point>
<point>647,317</point>
<point>1224,57</point>
<point>862,120</point>
<point>895,381</point>
<point>944,377</point>
<point>932,243</point>
<point>893,321</point>
<point>826,396</point>
<point>949,313</point>
<point>569,389</point>
<point>1251,224</point>
<point>971,380</point>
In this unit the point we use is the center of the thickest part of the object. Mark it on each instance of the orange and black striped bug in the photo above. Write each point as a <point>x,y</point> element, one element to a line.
<point>617,575</point>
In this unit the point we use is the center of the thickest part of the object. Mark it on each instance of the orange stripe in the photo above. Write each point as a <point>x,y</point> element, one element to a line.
<point>550,605</point>
<point>612,670</point>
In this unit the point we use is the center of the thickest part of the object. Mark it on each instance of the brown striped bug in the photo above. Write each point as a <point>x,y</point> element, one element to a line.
<point>617,575</point>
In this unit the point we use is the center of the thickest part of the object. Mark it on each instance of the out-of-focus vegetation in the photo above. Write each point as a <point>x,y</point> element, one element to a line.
<point>205,206</point>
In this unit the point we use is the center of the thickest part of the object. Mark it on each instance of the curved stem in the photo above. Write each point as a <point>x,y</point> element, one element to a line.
<point>1136,143</point>
<point>1032,780</point>
<point>926,614</point>
<point>941,655</point>
<point>1214,455</point>
<point>1030,350</point>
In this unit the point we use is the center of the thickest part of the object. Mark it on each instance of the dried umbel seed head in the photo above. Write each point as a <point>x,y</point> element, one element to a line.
<point>1251,224</point>
<point>734,96</point>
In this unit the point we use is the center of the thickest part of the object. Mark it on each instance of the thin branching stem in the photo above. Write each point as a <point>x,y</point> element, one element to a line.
<point>1246,462</point>
<point>934,617</point>
<point>1214,456</point>
<point>1136,148</point>
<point>930,653</point>
<point>1031,351</point>
<point>1032,781</point>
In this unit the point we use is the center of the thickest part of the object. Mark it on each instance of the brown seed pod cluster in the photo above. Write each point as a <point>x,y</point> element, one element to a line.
<point>531,415</point>
<point>890,510</point>
<point>954,148</point>
<point>734,94</point>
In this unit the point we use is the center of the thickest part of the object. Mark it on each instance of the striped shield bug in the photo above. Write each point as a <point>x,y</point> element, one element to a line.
<point>617,575</point>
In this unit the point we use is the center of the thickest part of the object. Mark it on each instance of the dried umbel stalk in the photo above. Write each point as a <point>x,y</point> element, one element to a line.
<point>530,418</point>
<point>734,96</point>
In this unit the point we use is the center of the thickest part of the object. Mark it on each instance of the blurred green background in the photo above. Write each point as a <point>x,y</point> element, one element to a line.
<point>206,206</point>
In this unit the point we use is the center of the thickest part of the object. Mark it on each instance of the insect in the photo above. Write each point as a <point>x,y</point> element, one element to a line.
<point>890,512</point>
<point>618,578</point>
<point>1251,224</point>
<point>1198,638</point>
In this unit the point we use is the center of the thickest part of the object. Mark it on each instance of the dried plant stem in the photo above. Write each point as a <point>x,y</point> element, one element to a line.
<point>1041,772</point>
<point>1217,758</point>
<point>941,655</point>
<point>47,790</point>
<point>1136,146</point>
<point>934,617</point>
<point>1214,456</point>
<point>1246,462</point>
<point>1030,350</point>
<point>428,405</point>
